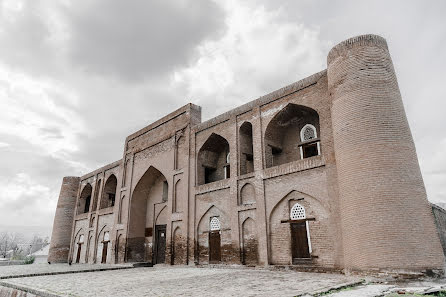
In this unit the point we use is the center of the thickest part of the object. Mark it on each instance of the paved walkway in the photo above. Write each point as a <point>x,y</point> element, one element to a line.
<point>14,271</point>
<point>113,280</point>
<point>182,281</point>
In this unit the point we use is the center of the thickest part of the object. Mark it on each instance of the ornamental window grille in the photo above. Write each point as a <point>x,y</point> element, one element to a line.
<point>297,212</point>
<point>308,132</point>
<point>215,224</point>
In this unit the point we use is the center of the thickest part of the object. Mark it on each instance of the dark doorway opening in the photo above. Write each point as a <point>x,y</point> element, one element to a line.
<point>78,255</point>
<point>214,247</point>
<point>299,241</point>
<point>104,251</point>
<point>160,244</point>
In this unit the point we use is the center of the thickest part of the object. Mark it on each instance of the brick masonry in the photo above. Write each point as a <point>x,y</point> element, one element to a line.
<point>357,178</point>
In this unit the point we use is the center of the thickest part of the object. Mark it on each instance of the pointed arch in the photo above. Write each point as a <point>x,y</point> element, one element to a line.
<point>212,211</point>
<point>179,247</point>
<point>249,242</point>
<point>178,200</point>
<point>84,199</point>
<point>146,203</point>
<point>246,148</point>
<point>247,194</point>
<point>212,160</point>
<point>109,193</point>
<point>282,135</point>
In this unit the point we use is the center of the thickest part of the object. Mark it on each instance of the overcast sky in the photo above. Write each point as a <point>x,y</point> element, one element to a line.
<point>77,77</point>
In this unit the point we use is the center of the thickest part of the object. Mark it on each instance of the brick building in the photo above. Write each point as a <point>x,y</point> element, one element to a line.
<point>321,174</point>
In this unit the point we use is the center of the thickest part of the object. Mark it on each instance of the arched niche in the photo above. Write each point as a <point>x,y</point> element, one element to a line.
<point>84,199</point>
<point>212,160</point>
<point>211,241</point>
<point>249,242</point>
<point>109,193</point>
<point>145,206</point>
<point>182,153</point>
<point>299,213</point>
<point>283,143</point>
<point>247,194</point>
<point>179,245</point>
<point>180,196</point>
<point>246,148</point>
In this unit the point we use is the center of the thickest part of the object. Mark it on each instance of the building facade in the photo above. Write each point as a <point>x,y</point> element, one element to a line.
<point>320,174</point>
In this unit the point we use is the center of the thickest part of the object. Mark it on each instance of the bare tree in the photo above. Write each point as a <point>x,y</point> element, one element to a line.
<point>9,241</point>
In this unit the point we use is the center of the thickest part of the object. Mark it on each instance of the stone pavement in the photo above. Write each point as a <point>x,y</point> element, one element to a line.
<point>181,281</point>
<point>15,271</point>
<point>194,281</point>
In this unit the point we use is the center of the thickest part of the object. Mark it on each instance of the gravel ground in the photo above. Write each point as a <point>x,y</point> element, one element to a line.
<point>183,281</point>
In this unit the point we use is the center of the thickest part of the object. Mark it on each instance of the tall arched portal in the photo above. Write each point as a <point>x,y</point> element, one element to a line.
<point>148,219</point>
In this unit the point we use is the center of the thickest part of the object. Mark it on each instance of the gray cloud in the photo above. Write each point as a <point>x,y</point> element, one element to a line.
<point>135,39</point>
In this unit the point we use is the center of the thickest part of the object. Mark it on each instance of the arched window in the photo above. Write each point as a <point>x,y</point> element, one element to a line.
<point>81,239</point>
<point>290,129</point>
<point>297,212</point>
<point>310,146</point>
<point>109,192</point>
<point>106,236</point>
<point>308,132</point>
<point>212,160</point>
<point>246,148</point>
<point>84,199</point>
<point>215,224</point>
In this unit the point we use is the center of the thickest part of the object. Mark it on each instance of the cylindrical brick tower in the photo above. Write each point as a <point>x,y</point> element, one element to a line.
<point>386,219</point>
<point>63,220</point>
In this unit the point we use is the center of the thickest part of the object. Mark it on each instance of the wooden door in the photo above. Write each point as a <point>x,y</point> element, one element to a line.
<point>299,241</point>
<point>78,256</point>
<point>104,251</point>
<point>214,247</point>
<point>160,243</point>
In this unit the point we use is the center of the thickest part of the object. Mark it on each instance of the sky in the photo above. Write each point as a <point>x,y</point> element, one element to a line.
<point>77,77</point>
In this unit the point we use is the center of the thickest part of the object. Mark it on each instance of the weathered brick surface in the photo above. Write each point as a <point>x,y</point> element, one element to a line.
<point>386,218</point>
<point>63,220</point>
<point>364,194</point>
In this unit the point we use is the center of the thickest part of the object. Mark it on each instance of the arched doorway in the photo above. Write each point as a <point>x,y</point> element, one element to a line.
<point>105,243</point>
<point>80,243</point>
<point>214,241</point>
<point>148,218</point>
